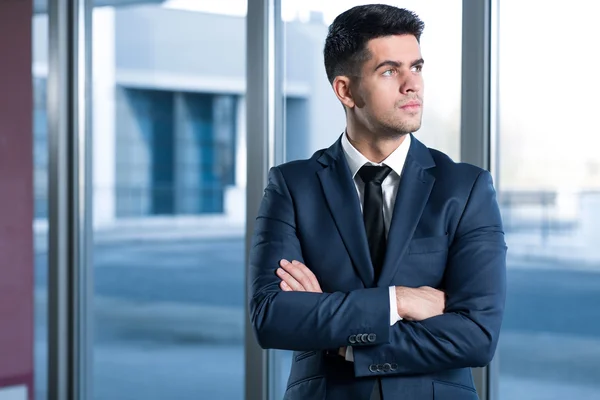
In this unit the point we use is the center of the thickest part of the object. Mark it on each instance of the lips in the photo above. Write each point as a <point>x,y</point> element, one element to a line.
<point>411,104</point>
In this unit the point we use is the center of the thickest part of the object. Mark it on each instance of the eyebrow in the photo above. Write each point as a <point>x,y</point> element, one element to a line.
<point>397,64</point>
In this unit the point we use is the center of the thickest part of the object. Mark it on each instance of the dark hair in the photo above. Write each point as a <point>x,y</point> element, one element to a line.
<point>346,44</point>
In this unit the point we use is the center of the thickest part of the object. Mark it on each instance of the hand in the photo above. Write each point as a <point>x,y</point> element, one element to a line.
<point>296,277</point>
<point>417,304</point>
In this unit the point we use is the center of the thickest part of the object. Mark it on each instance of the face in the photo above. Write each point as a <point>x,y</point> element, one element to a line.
<point>388,97</point>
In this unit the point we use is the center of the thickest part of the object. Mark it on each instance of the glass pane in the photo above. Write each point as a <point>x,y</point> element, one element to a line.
<point>169,201</point>
<point>314,118</point>
<point>40,191</point>
<point>550,197</point>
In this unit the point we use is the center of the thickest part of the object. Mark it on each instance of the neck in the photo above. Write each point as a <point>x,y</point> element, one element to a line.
<point>375,148</point>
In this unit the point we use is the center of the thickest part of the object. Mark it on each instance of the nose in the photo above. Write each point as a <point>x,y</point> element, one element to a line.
<point>412,83</point>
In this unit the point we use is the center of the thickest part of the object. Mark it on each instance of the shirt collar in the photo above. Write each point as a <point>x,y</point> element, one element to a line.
<point>356,160</point>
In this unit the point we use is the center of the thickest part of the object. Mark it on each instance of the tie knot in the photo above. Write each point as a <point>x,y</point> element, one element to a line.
<point>374,173</point>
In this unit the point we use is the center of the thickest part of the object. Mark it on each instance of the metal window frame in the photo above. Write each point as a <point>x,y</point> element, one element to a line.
<point>479,120</point>
<point>264,113</point>
<point>70,286</point>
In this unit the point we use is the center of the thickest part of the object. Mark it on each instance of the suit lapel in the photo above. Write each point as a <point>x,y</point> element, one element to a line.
<point>414,190</point>
<point>343,202</point>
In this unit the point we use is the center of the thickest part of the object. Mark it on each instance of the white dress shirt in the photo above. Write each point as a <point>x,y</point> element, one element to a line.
<point>389,188</point>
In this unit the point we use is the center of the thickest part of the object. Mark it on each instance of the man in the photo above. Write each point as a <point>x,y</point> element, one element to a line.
<point>379,261</point>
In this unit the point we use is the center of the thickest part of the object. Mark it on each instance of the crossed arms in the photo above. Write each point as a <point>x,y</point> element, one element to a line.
<point>464,335</point>
<point>413,304</point>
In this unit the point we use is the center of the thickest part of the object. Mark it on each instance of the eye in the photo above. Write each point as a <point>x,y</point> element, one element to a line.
<point>389,72</point>
<point>417,68</point>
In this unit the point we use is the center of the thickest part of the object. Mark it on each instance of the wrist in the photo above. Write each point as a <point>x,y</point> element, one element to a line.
<point>402,301</point>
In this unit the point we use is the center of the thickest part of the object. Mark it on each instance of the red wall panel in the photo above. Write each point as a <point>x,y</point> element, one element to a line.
<point>16,195</point>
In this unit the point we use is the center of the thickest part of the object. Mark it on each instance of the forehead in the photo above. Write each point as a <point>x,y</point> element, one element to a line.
<point>403,48</point>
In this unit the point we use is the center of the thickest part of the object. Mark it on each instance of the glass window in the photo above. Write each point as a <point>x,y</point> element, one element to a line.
<point>314,118</point>
<point>169,201</point>
<point>549,192</point>
<point>39,71</point>
<point>40,147</point>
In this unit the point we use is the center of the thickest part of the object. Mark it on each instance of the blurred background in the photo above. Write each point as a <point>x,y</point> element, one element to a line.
<point>169,188</point>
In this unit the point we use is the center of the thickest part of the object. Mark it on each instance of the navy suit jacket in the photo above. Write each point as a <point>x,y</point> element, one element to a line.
<point>446,232</point>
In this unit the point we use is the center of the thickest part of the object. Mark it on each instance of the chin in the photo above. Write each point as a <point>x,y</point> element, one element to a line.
<point>405,128</point>
<point>411,125</point>
<point>415,128</point>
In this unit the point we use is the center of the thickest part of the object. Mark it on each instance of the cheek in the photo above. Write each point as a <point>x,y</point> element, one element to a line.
<point>383,96</point>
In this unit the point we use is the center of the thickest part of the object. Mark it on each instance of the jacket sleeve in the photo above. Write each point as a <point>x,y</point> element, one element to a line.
<point>467,333</point>
<point>302,320</point>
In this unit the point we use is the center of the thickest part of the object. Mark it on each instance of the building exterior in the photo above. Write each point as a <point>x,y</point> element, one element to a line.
<point>169,110</point>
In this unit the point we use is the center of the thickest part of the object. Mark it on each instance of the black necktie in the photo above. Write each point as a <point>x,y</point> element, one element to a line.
<point>373,176</point>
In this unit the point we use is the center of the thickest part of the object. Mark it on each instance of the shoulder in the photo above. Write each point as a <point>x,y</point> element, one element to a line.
<point>458,177</point>
<point>299,168</point>
<point>447,168</point>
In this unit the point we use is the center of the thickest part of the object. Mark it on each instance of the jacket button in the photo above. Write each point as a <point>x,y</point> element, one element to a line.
<point>394,366</point>
<point>379,367</point>
<point>364,338</point>
<point>387,367</point>
<point>371,338</point>
<point>352,339</point>
<point>373,368</point>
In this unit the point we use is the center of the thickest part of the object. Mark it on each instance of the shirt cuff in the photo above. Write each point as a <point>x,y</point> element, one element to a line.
<point>394,317</point>
<point>349,354</point>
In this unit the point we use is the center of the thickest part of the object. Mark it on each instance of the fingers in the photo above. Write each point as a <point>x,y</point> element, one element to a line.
<point>288,282</point>
<point>298,276</point>
<point>300,273</point>
<point>311,278</point>
<point>285,287</point>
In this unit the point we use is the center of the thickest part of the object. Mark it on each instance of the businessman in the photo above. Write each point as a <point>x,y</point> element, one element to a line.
<point>381,262</point>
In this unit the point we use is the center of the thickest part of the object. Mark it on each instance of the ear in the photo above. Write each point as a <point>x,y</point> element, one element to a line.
<point>341,88</point>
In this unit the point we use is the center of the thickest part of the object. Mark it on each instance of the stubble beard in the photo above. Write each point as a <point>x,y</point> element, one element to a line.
<point>394,129</point>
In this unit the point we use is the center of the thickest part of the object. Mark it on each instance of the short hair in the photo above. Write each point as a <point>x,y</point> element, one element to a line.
<point>345,48</point>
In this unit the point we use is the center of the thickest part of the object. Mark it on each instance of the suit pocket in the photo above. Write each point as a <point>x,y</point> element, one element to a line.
<point>453,391</point>
<point>310,388</point>
<point>304,355</point>
<point>428,244</point>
